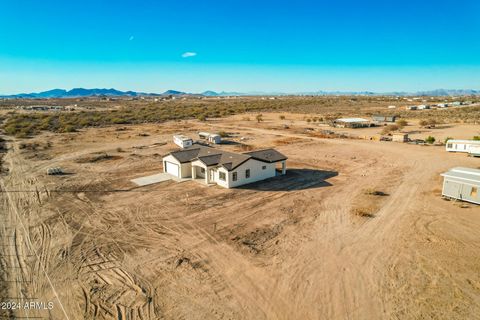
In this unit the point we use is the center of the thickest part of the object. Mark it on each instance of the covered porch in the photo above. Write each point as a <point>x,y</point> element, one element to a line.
<point>281,168</point>
<point>202,173</point>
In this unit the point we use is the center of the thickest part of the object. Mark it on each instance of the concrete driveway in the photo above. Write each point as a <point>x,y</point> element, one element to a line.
<point>156,178</point>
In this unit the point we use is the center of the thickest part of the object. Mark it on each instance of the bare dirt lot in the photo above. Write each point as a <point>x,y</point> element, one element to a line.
<point>357,229</point>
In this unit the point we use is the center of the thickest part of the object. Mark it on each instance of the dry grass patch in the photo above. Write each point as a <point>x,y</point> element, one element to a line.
<point>363,212</point>
<point>97,157</point>
<point>287,141</point>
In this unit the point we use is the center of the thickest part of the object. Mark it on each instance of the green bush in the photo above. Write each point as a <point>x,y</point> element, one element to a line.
<point>430,140</point>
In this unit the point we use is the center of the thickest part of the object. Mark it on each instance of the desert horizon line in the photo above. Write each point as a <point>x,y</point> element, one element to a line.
<point>105,91</point>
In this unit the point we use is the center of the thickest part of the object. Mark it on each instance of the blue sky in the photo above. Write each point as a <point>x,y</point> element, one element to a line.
<point>239,45</point>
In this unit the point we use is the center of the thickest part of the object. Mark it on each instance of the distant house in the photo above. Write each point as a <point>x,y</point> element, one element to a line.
<point>423,107</point>
<point>400,137</point>
<point>411,108</point>
<point>461,145</point>
<point>352,123</point>
<point>462,184</point>
<point>381,118</point>
<point>226,169</point>
<point>392,107</point>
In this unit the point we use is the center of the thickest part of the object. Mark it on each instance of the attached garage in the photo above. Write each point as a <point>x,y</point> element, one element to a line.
<point>172,168</point>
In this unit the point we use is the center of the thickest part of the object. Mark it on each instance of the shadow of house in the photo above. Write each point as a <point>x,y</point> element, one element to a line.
<point>295,179</point>
<point>230,142</point>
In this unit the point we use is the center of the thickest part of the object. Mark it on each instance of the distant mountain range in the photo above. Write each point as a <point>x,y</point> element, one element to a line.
<point>81,92</point>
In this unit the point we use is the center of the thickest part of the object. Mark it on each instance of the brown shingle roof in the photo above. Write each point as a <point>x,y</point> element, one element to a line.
<point>267,155</point>
<point>210,156</point>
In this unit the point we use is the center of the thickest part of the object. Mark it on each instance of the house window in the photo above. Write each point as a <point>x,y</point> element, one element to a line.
<point>473,192</point>
<point>234,176</point>
<point>202,170</point>
<point>449,146</point>
<point>264,167</point>
<point>247,173</point>
<point>222,176</point>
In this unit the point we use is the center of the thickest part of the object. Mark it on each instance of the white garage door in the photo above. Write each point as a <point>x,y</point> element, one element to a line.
<point>171,168</point>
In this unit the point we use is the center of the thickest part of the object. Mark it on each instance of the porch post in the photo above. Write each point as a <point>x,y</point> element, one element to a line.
<point>207,179</point>
<point>194,173</point>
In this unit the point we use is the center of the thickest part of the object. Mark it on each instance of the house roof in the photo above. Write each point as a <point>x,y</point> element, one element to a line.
<point>464,141</point>
<point>182,137</point>
<point>464,174</point>
<point>352,120</point>
<point>267,155</point>
<point>229,160</point>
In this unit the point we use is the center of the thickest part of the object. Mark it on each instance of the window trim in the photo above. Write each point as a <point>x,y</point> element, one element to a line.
<point>234,176</point>
<point>220,174</point>
<point>247,173</point>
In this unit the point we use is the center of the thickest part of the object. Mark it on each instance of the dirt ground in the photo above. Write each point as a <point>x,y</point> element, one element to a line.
<point>318,243</point>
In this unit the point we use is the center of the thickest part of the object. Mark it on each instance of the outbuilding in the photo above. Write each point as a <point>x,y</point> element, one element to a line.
<point>383,118</point>
<point>461,145</point>
<point>352,123</point>
<point>210,137</point>
<point>400,137</point>
<point>182,141</point>
<point>462,184</point>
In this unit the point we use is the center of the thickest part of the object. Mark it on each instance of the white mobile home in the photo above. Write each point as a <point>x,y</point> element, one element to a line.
<point>474,151</point>
<point>210,137</point>
<point>462,184</point>
<point>182,141</point>
<point>461,145</point>
<point>227,169</point>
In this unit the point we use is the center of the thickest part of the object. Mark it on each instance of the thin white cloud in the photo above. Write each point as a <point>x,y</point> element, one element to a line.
<point>131,38</point>
<point>189,54</point>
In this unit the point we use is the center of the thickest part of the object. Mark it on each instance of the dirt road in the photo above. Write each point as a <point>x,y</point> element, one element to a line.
<point>291,248</point>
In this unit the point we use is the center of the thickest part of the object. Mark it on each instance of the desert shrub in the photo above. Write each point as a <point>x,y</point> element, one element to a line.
<point>423,123</point>
<point>388,129</point>
<point>402,123</point>
<point>430,140</point>
<point>364,213</point>
<point>259,118</point>
<point>223,134</point>
<point>476,138</point>
<point>372,192</point>
<point>282,117</point>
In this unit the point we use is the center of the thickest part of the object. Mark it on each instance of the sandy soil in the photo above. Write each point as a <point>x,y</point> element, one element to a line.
<point>293,247</point>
